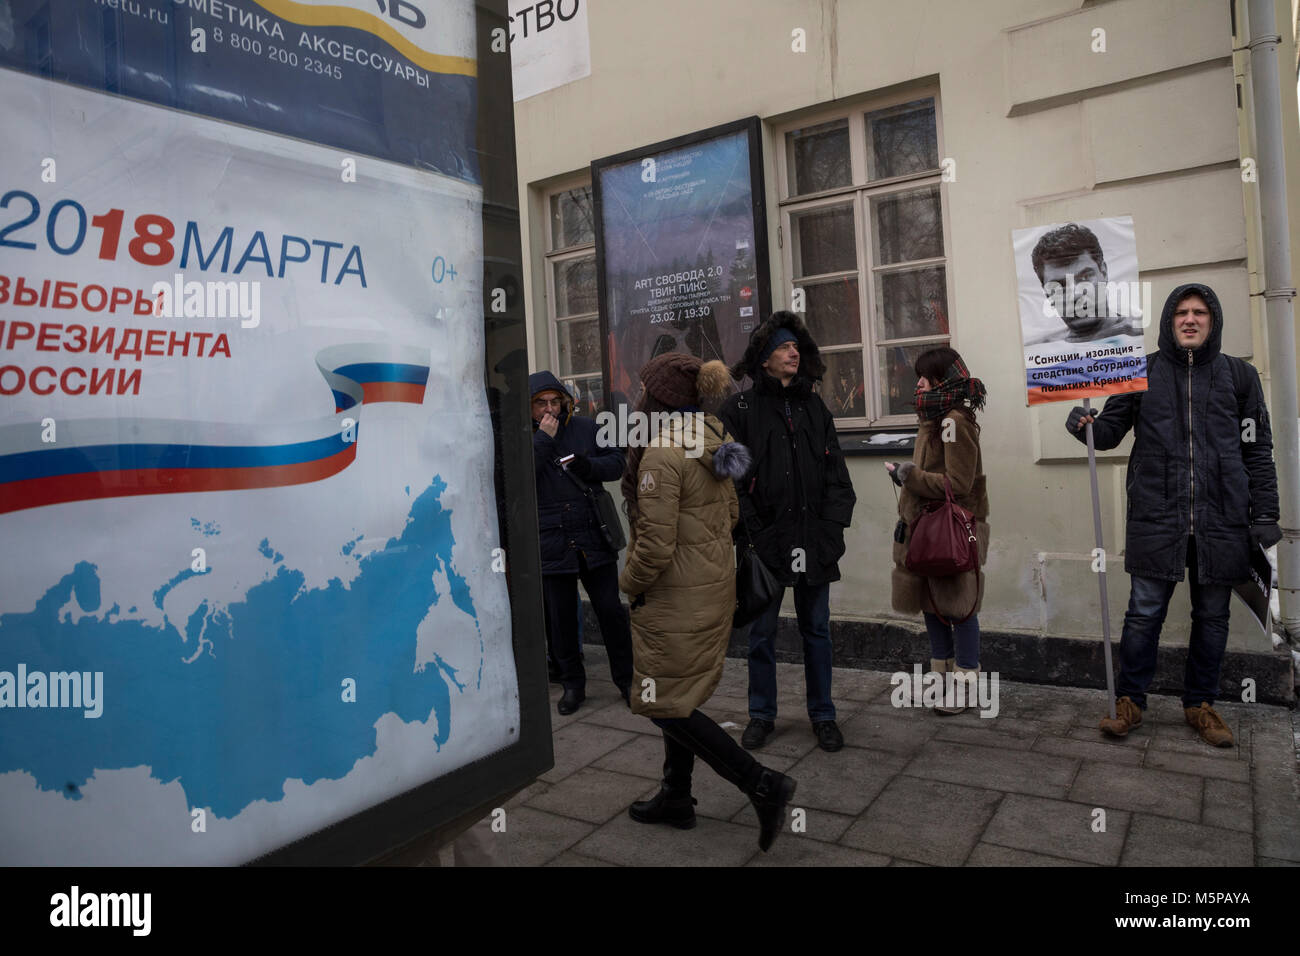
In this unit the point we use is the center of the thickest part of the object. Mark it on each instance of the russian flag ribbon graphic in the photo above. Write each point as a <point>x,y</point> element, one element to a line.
<point>112,457</point>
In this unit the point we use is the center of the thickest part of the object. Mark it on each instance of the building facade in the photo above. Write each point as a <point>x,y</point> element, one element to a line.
<point>901,144</point>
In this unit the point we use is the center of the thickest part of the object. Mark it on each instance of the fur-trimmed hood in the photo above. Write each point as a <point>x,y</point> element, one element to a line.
<point>811,365</point>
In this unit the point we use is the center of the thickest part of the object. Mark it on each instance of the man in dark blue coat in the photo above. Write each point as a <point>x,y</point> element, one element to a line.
<point>573,546</point>
<point>1202,493</point>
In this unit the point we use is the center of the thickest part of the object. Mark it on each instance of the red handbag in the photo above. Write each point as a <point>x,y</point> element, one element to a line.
<point>943,539</point>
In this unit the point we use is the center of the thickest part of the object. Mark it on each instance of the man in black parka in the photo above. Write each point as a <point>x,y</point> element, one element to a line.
<point>572,544</point>
<point>1202,492</point>
<point>796,502</point>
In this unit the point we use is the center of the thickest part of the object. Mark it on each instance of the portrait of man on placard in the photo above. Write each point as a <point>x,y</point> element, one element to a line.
<point>1078,302</point>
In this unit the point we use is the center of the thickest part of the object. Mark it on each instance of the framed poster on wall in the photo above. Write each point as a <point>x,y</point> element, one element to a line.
<point>681,250</point>
<point>248,450</point>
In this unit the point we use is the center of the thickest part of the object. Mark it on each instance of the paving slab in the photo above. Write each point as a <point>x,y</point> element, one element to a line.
<point>924,820</point>
<point>1228,805</point>
<point>534,837</point>
<point>981,737</point>
<point>579,744</point>
<point>990,768</point>
<point>618,715</point>
<point>988,854</point>
<point>1203,766</point>
<point>846,781</point>
<point>592,795</point>
<point>820,825</point>
<point>1102,750</point>
<point>1142,789</point>
<point>1183,740</point>
<point>901,731</point>
<point>792,849</point>
<point>1160,841</point>
<point>1057,828</point>
<point>640,755</point>
<point>1275,784</point>
<point>577,859</point>
<point>523,796</point>
<point>711,843</point>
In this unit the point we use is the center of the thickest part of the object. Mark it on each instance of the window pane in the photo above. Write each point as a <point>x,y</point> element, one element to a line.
<point>589,396</point>
<point>575,286</point>
<point>911,303</point>
<point>832,311</point>
<point>819,157</point>
<point>898,377</point>
<point>907,225</point>
<point>902,139</point>
<point>572,221</point>
<point>842,387</point>
<point>578,346</point>
<point>823,240</point>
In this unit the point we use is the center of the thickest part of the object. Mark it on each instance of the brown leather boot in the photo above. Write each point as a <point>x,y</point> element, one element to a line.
<point>1127,716</point>
<point>1209,725</point>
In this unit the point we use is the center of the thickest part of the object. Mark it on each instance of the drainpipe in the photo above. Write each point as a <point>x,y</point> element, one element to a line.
<point>1278,293</point>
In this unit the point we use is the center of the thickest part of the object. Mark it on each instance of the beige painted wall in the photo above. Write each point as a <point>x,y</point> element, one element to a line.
<point>1042,129</point>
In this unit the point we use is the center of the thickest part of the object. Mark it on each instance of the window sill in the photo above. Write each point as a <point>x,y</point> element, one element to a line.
<point>875,441</point>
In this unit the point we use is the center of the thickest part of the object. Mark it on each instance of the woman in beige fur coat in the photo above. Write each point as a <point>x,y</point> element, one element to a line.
<point>947,445</point>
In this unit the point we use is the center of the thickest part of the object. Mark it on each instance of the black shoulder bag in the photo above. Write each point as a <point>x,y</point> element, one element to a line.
<point>756,588</point>
<point>602,502</point>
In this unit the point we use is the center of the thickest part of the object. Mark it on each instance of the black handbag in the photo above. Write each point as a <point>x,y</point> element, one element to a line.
<point>606,512</point>
<point>756,588</point>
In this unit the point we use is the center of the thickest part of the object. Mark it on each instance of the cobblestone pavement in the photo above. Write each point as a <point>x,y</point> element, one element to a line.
<point>913,788</point>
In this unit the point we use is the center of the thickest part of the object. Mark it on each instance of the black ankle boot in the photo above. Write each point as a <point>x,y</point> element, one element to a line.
<point>665,807</point>
<point>769,797</point>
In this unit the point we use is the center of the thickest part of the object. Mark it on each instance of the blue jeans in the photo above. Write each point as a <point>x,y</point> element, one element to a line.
<point>966,637</point>
<point>812,604</point>
<point>1147,605</point>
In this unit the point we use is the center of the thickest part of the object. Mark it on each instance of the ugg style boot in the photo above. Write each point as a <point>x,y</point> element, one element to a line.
<point>666,806</point>
<point>946,667</point>
<point>1127,716</point>
<point>769,797</point>
<point>967,676</point>
<point>1209,725</point>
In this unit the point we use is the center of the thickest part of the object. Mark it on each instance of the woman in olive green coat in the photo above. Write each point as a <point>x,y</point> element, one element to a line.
<point>680,577</point>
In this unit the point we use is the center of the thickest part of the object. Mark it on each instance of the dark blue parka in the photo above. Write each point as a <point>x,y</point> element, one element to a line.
<point>1190,471</point>
<point>566,520</point>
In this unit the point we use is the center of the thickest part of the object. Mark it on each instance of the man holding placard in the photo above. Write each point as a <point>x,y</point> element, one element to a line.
<point>1202,493</point>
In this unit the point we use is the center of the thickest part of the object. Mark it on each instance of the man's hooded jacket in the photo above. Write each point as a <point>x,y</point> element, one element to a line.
<point>798,493</point>
<point>1191,471</point>
<point>566,519</point>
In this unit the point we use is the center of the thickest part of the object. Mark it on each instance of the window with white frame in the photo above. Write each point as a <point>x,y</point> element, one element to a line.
<point>864,237</point>
<point>572,299</point>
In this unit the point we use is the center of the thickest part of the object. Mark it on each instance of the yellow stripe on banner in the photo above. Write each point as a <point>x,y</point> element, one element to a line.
<point>311,15</point>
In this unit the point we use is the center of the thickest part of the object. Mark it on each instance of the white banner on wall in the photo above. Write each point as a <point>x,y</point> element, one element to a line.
<point>549,44</point>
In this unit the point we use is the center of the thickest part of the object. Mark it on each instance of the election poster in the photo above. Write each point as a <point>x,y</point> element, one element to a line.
<point>681,250</point>
<point>1082,310</point>
<point>246,458</point>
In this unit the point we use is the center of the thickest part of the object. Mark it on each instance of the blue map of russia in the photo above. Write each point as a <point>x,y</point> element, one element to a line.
<point>263,703</point>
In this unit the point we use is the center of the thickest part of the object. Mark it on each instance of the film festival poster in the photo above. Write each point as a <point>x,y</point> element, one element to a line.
<point>681,265</point>
<point>1082,312</point>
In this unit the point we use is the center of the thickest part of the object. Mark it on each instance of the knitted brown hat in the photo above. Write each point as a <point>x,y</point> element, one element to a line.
<point>678,379</point>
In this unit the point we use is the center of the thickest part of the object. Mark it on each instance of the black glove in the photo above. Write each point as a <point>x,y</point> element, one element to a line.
<point>1265,535</point>
<point>581,466</point>
<point>893,474</point>
<point>1077,414</point>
